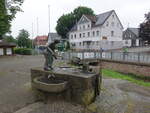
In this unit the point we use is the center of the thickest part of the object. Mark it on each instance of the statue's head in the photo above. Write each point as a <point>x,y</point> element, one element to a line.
<point>56,41</point>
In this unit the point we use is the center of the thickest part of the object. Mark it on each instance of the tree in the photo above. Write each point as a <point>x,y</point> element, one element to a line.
<point>145,29</point>
<point>66,22</point>
<point>8,9</point>
<point>10,39</point>
<point>23,39</point>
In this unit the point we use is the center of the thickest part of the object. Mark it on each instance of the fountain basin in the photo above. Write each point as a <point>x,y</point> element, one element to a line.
<point>48,85</point>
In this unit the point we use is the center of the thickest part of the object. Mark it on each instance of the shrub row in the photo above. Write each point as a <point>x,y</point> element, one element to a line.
<point>23,51</point>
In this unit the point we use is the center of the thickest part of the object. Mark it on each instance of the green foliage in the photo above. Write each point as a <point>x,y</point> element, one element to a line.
<point>114,74</point>
<point>145,29</point>
<point>23,51</point>
<point>8,9</point>
<point>23,39</point>
<point>66,22</point>
<point>78,12</point>
<point>10,39</point>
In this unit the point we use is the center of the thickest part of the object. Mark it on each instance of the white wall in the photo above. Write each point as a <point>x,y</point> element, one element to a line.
<point>127,43</point>
<point>1,51</point>
<point>137,42</point>
<point>117,28</point>
<point>9,51</point>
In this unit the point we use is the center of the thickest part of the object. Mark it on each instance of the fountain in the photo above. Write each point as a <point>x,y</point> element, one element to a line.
<point>77,85</point>
<point>50,84</point>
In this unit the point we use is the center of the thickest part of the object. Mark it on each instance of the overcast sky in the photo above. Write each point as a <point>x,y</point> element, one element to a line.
<point>130,12</point>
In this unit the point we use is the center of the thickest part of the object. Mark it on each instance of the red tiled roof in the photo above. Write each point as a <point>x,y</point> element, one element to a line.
<point>91,17</point>
<point>41,38</point>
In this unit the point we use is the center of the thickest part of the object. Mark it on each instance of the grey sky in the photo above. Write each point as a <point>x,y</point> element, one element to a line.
<point>129,11</point>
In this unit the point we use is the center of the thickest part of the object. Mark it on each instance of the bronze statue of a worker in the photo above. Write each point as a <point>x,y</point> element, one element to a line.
<point>49,55</point>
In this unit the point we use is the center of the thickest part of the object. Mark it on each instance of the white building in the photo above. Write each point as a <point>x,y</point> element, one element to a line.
<point>131,37</point>
<point>103,31</point>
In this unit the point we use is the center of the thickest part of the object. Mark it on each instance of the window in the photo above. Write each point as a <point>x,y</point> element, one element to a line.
<point>80,35</point>
<point>88,26</point>
<point>113,16</point>
<point>88,34</point>
<point>93,33</point>
<point>75,36</point>
<point>107,24</point>
<point>97,33</point>
<point>126,42</point>
<point>112,33</point>
<point>80,43</point>
<point>112,24</point>
<point>83,26</point>
<point>83,34</point>
<point>71,36</point>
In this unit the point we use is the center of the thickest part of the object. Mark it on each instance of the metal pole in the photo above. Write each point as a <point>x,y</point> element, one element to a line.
<point>38,33</point>
<point>32,35</point>
<point>49,17</point>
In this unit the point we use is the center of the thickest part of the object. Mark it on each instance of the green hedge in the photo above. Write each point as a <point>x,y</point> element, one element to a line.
<point>23,51</point>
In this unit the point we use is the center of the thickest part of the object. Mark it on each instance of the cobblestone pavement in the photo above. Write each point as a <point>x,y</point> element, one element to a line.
<point>15,90</point>
<point>117,96</point>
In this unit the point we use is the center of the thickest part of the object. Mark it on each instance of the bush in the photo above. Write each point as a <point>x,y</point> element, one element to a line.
<point>23,51</point>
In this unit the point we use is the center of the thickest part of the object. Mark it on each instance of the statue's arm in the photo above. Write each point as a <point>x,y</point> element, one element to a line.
<point>52,52</point>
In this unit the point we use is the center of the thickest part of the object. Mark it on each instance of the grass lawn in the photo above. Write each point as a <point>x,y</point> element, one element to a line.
<point>114,74</point>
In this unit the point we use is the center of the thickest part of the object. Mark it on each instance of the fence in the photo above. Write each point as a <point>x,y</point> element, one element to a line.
<point>120,56</point>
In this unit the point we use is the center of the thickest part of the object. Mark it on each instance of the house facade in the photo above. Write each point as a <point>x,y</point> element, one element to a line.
<point>131,37</point>
<point>103,31</point>
<point>6,48</point>
<point>52,37</point>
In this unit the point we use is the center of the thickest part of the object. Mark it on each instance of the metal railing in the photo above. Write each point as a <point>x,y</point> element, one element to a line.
<point>119,56</point>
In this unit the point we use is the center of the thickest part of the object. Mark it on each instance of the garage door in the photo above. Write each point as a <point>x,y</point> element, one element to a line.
<point>1,51</point>
<point>8,51</point>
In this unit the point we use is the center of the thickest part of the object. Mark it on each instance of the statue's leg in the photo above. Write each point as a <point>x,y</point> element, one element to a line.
<point>46,61</point>
<point>50,60</point>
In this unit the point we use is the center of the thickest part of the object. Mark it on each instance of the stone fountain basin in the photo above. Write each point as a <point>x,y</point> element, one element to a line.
<point>49,85</point>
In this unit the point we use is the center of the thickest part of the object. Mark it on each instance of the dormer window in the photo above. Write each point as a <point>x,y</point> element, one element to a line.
<point>113,16</point>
